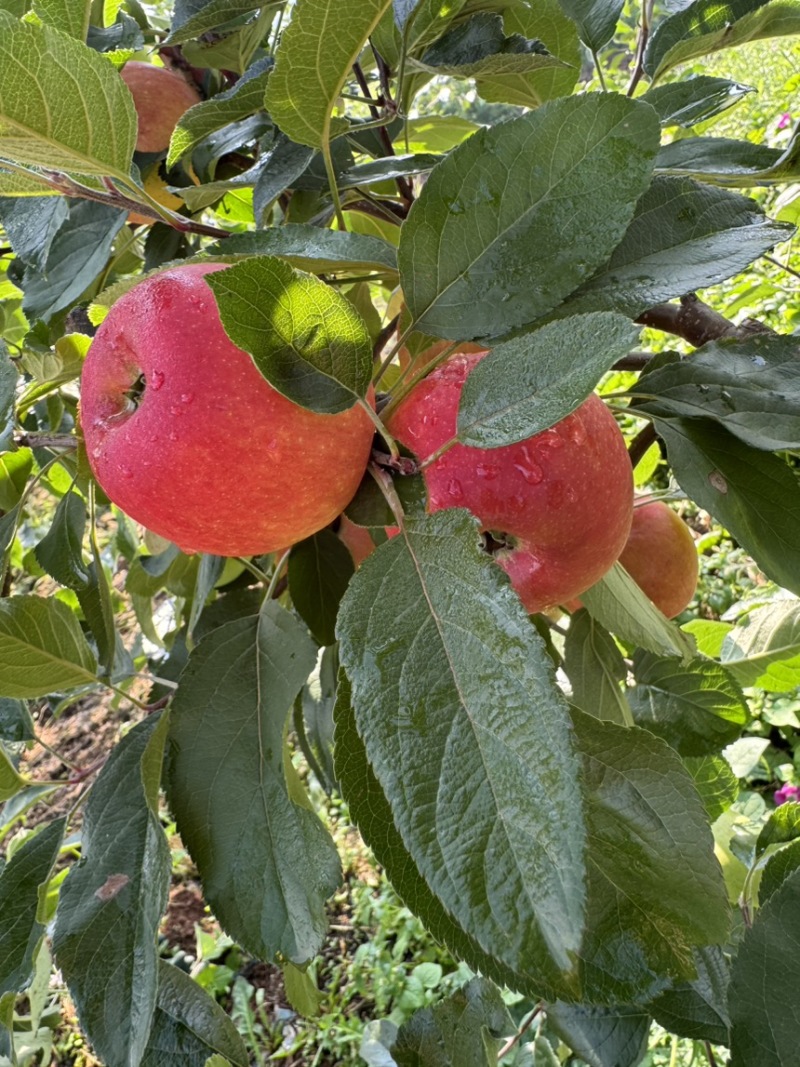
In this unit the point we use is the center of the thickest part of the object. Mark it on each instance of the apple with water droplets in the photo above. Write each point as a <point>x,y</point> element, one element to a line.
<point>558,505</point>
<point>186,436</point>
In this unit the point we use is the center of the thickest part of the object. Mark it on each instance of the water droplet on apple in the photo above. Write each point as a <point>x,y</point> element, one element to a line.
<point>157,380</point>
<point>126,472</point>
<point>549,439</point>
<point>174,409</point>
<point>454,490</point>
<point>489,471</point>
<point>576,431</point>
<point>187,398</point>
<point>571,494</point>
<point>529,468</point>
<point>173,436</point>
<point>97,451</point>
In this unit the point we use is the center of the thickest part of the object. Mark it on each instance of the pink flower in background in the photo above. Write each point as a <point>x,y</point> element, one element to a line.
<point>787,793</point>
<point>785,120</point>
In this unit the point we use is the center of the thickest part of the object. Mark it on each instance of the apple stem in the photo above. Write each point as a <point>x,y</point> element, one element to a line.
<point>254,570</point>
<point>276,574</point>
<point>440,451</point>
<point>386,486</point>
<point>402,389</point>
<point>46,440</point>
<point>391,444</point>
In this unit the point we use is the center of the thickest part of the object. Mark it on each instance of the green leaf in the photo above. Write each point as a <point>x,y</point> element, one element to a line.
<point>31,223</point>
<point>782,826</point>
<point>463,1030</point>
<point>319,569</point>
<point>189,1025</point>
<point>42,648</point>
<point>379,170</point>
<point>596,670</point>
<point>76,115</point>
<point>245,98</point>
<point>697,708</point>
<point>707,26</point>
<point>8,390</point>
<point>752,388</point>
<point>763,649</point>
<point>716,783</point>
<point>779,867</point>
<point>698,1008</point>
<point>617,602</point>
<point>547,22</point>
<point>15,469</point>
<point>452,685</point>
<point>683,236</point>
<point>765,1011</point>
<point>16,724</point>
<point>754,495</point>
<point>60,552</point>
<point>20,880</point>
<point>370,809</point>
<point>10,781</point>
<point>596,20</point>
<point>478,46</point>
<point>693,100</point>
<point>78,253</point>
<point>312,62</point>
<point>301,991</point>
<point>267,865</point>
<point>192,18</point>
<point>738,164</point>
<point>528,384</point>
<point>307,340</point>
<point>520,214</point>
<point>111,903</point>
<point>69,16</point>
<point>209,571</point>
<point>603,1037</point>
<point>655,887</point>
<point>709,635</point>
<point>313,249</point>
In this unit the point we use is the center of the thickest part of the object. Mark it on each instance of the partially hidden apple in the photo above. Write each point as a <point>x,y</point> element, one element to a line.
<point>185,435</point>
<point>661,557</point>
<point>558,505</point>
<point>160,97</point>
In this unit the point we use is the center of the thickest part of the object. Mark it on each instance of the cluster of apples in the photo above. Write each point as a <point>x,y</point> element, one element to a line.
<point>184,434</point>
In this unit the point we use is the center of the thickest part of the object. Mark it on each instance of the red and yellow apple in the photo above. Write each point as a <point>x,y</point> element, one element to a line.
<point>560,502</point>
<point>160,97</point>
<point>661,557</point>
<point>185,435</point>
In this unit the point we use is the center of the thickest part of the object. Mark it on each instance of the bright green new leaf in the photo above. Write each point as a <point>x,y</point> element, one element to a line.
<point>111,903</point>
<point>521,214</point>
<point>453,694</point>
<point>307,340</point>
<point>314,58</point>
<point>763,649</point>
<point>42,648</point>
<point>69,16</point>
<point>76,113</point>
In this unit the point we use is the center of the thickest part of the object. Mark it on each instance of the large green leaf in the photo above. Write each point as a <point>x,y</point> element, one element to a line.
<point>319,569</point>
<point>111,903</point>
<point>31,223</point>
<point>191,18</point>
<point>752,388</point>
<point>533,381</point>
<point>75,114</point>
<point>755,495</point>
<point>764,1008</point>
<point>697,708</point>
<point>617,602</point>
<point>693,100</point>
<point>698,1008</point>
<point>655,887</point>
<point>603,1037</point>
<point>313,249</point>
<point>683,236</point>
<point>60,552</point>
<point>596,670</point>
<point>42,648</point>
<point>520,214</point>
<point>20,879</point>
<point>596,19</point>
<point>763,649</point>
<point>307,340</point>
<point>69,16</point>
<point>468,735</point>
<point>189,1025</point>
<point>706,26</point>
<point>267,863</point>
<point>312,61</point>
<point>479,47</point>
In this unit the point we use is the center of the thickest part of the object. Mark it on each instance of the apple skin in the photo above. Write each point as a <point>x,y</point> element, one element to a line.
<point>212,458</point>
<point>661,557</point>
<point>563,498</point>
<point>160,98</point>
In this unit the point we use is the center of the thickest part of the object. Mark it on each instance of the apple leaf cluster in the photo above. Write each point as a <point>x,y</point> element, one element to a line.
<point>202,330</point>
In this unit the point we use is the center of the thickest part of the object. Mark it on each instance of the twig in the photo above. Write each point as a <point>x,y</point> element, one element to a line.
<point>641,45</point>
<point>641,442</point>
<point>633,361</point>
<point>384,335</point>
<point>525,1025</point>
<point>697,323</point>
<point>401,464</point>
<point>782,266</point>
<point>46,440</point>
<point>712,1059</point>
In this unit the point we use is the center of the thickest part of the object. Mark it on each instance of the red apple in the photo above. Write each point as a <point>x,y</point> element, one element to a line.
<point>561,500</point>
<point>185,435</point>
<point>660,555</point>
<point>160,97</point>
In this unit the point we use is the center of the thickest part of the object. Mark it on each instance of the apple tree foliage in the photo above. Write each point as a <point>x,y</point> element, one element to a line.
<point>551,799</point>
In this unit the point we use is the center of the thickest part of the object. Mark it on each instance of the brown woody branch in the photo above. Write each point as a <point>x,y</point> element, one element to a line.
<point>697,323</point>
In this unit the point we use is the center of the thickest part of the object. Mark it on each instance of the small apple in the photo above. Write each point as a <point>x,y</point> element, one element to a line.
<point>558,505</point>
<point>661,557</point>
<point>160,97</point>
<point>185,435</point>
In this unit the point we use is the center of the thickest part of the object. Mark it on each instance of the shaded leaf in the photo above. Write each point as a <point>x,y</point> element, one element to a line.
<point>307,340</point>
<point>698,1008</point>
<point>191,18</point>
<point>110,906</point>
<point>693,100</point>
<point>596,670</point>
<point>716,783</point>
<point>31,223</point>
<point>319,569</point>
<point>596,19</point>
<point>764,1008</point>
<point>603,1037</point>
<point>755,495</point>
<point>782,826</point>
<point>451,689</point>
<point>60,552</point>
<point>313,249</point>
<point>778,868</point>
<point>8,390</point>
<point>478,46</point>
<point>20,879</point>
<point>528,384</point>
<point>520,214</point>
<point>763,649</point>
<point>42,648</point>
<point>378,170</point>
<point>16,724</point>
<point>737,164</point>
<point>10,781</point>
<point>267,864</point>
